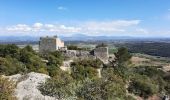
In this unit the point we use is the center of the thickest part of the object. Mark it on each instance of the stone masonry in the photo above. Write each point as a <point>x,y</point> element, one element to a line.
<point>50,44</point>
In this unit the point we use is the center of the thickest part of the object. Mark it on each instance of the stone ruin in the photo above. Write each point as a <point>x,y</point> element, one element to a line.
<point>100,53</point>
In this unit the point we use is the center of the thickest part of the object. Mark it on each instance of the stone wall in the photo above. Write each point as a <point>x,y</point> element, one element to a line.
<point>47,45</point>
<point>101,53</point>
<point>50,44</point>
<point>76,54</point>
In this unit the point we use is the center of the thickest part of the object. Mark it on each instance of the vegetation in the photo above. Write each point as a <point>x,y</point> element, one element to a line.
<point>10,66</point>
<point>148,80</point>
<point>14,60</point>
<point>74,47</point>
<point>82,69</point>
<point>118,79</point>
<point>143,86</point>
<point>121,62</point>
<point>58,86</point>
<point>100,89</point>
<point>151,48</point>
<point>6,89</point>
<point>101,45</point>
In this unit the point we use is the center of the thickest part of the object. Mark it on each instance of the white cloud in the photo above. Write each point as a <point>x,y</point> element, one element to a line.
<point>62,8</point>
<point>19,27</point>
<point>37,27</point>
<point>108,26</point>
<point>112,27</point>
<point>61,28</point>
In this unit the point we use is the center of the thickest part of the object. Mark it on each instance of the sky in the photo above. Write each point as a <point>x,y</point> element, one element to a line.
<point>137,18</point>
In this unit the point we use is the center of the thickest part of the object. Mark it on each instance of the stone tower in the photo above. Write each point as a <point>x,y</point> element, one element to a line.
<point>50,44</point>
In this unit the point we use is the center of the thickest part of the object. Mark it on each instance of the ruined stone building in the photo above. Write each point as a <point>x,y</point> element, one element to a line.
<point>101,53</point>
<point>50,44</point>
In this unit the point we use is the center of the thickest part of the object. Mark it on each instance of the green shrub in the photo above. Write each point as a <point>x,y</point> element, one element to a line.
<point>58,86</point>
<point>74,47</point>
<point>80,72</point>
<point>9,50</point>
<point>143,86</point>
<point>54,58</point>
<point>101,89</point>
<point>52,70</point>
<point>10,66</point>
<point>95,63</point>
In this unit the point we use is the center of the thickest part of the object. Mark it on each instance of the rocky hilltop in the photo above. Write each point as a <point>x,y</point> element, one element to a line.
<point>26,88</point>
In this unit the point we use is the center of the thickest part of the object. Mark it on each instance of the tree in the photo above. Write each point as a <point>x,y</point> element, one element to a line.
<point>11,66</point>
<point>7,89</point>
<point>32,61</point>
<point>29,49</point>
<point>25,56</point>
<point>9,50</point>
<point>121,62</point>
<point>122,56</point>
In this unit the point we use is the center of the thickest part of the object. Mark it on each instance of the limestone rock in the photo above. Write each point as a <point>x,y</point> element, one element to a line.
<point>27,86</point>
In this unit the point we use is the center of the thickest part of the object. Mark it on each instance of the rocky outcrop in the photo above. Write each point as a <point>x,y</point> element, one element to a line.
<point>27,86</point>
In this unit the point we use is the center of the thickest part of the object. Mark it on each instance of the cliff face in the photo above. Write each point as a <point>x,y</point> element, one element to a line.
<point>26,88</point>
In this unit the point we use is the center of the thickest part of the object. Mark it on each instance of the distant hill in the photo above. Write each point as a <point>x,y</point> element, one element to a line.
<point>81,37</point>
<point>18,38</point>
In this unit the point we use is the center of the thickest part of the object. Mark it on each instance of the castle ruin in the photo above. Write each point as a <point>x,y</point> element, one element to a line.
<point>50,44</point>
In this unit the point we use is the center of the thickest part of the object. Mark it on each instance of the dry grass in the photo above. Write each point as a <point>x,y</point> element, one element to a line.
<point>146,61</point>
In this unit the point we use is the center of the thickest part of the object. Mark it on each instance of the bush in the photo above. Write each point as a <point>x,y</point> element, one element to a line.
<point>80,72</point>
<point>9,50</point>
<point>74,47</point>
<point>6,89</point>
<point>109,87</point>
<point>54,58</point>
<point>95,63</point>
<point>101,89</point>
<point>52,70</point>
<point>155,74</point>
<point>143,86</point>
<point>10,66</point>
<point>58,87</point>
